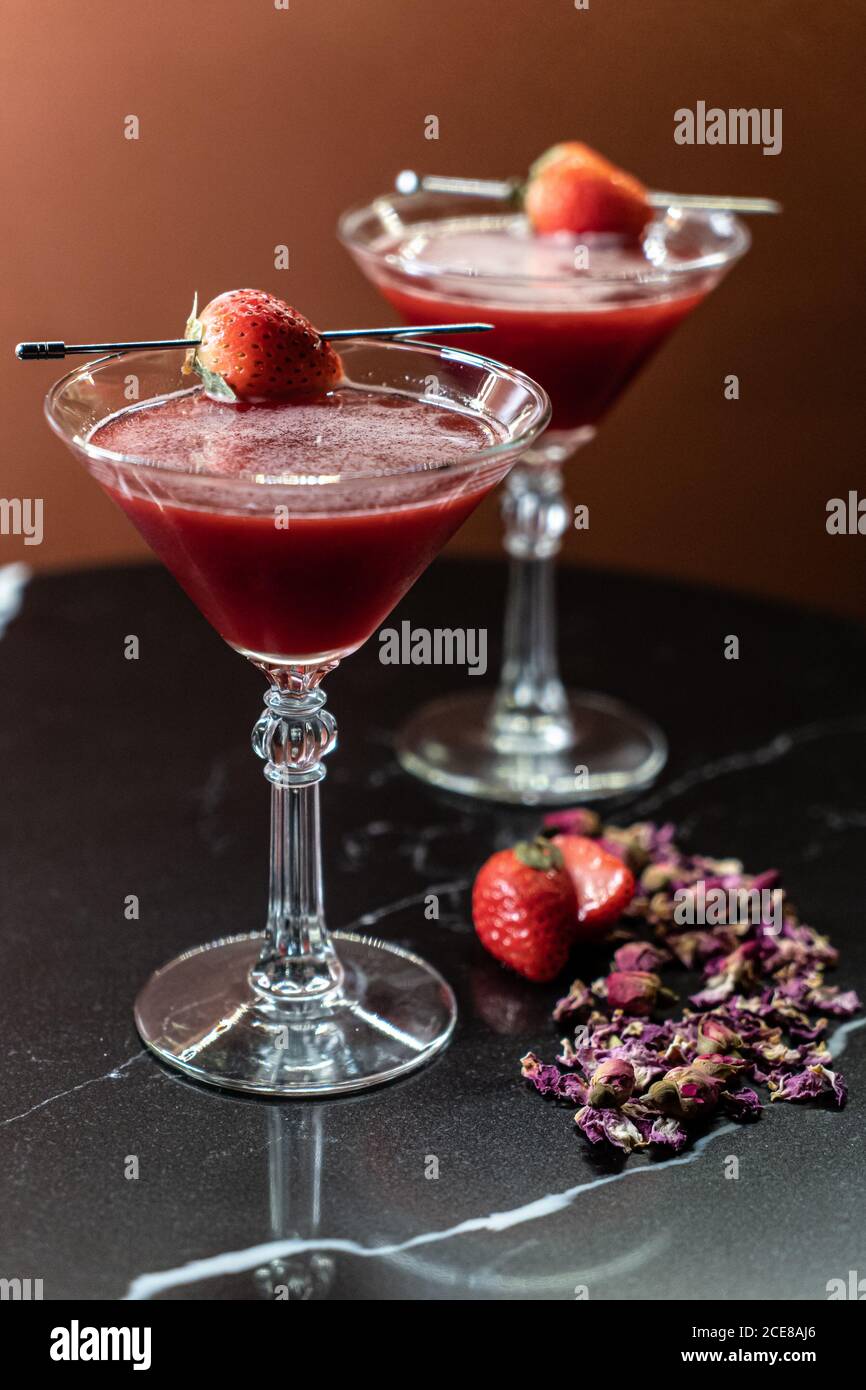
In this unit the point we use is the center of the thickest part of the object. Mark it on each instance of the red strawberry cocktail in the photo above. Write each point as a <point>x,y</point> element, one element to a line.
<point>295,495</point>
<point>584,337</point>
<point>302,578</point>
<point>582,283</point>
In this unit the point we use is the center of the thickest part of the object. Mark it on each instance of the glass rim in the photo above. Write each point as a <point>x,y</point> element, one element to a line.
<point>413,270</point>
<point>460,465</point>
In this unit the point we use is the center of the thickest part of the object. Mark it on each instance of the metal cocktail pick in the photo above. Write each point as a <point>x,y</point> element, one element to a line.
<point>31,352</point>
<point>407,181</point>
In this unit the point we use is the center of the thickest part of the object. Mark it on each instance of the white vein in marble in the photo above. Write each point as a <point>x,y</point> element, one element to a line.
<point>113,1075</point>
<point>146,1286</point>
<point>778,747</point>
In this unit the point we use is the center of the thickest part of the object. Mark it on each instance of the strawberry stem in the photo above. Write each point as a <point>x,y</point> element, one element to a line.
<point>538,854</point>
<point>214,384</point>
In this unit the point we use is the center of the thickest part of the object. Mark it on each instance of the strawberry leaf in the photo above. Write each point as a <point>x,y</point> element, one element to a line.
<point>214,384</point>
<point>538,854</point>
<point>193,329</point>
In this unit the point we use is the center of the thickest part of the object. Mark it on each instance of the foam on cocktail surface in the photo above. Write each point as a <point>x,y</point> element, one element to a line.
<point>505,263</point>
<point>350,431</point>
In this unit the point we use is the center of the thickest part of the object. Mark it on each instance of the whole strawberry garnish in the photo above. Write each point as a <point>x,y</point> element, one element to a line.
<point>603,885</point>
<point>572,188</point>
<point>523,908</point>
<point>254,347</point>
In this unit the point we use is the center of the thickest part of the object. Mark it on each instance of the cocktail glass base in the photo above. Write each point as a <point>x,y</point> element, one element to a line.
<point>453,744</point>
<point>201,1014</point>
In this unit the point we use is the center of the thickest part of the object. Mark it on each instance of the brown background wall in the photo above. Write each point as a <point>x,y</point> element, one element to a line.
<point>258,126</point>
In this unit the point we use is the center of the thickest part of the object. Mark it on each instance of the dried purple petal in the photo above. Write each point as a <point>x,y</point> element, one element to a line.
<point>808,1085</point>
<point>799,1032</point>
<point>763,1005</point>
<point>768,879</point>
<point>775,1052</point>
<point>550,1081</point>
<point>692,947</point>
<point>631,843</point>
<point>544,1078</point>
<point>577,999</point>
<point>650,1034</point>
<point>639,955</point>
<point>610,1125</point>
<point>668,1133</point>
<point>741,1105</point>
<point>719,990</point>
<point>656,877</point>
<point>571,1088</point>
<point>831,1000</point>
<point>579,821</point>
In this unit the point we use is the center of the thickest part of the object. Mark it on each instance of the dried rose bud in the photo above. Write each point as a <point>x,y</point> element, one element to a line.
<point>716,1036</point>
<point>685,1093</point>
<point>690,947</point>
<point>627,844</point>
<point>611,1085</point>
<point>634,991</point>
<point>661,908</point>
<point>741,967</point>
<point>657,877</point>
<point>719,1067</point>
<point>639,955</point>
<point>580,821</point>
<point>722,868</point>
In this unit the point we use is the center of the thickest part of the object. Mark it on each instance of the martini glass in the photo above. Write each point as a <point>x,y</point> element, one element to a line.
<point>582,316</point>
<point>293,1010</point>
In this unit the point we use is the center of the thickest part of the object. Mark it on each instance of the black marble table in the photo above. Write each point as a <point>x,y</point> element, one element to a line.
<point>136,777</point>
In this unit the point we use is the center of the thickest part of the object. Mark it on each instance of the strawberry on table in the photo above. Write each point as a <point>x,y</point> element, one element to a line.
<point>254,347</point>
<point>603,885</point>
<point>572,188</point>
<point>523,908</point>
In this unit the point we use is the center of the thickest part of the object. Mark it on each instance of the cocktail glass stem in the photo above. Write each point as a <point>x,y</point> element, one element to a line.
<point>278,1013</point>
<point>531,706</point>
<point>294,733</point>
<point>536,742</point>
